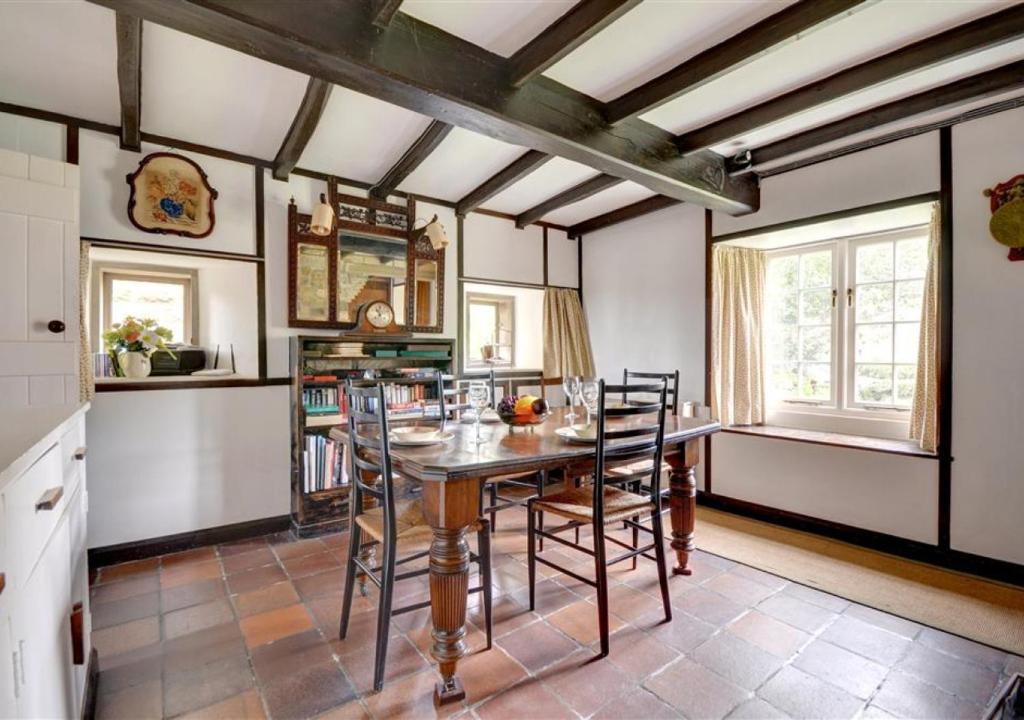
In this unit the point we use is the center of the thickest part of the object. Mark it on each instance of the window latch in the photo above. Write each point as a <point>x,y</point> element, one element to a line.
<point>834,293</point>
<point>849,297</point>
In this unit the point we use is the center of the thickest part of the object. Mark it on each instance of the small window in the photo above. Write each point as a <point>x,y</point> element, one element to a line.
<point>490,330</point>
<point>167,296</point>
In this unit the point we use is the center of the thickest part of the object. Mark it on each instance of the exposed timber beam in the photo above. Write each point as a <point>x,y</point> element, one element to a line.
<point>384,11</point>
<point>421,68</point>
<point>411,159</point>
<point>1001,80</point>
<point>622,214</point>
<point>501,180</point>
<point>567,197</point>
<point>302,128</point>
<point>985,32</point>
<point>129,79</point>
<point>758,40</point>
<point>583,20</point>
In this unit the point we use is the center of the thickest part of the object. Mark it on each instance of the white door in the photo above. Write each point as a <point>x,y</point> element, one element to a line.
<point>8,699</point>
<point>38,281</point>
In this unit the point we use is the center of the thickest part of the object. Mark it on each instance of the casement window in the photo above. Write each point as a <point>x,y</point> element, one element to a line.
<point>490,330</point>
<point>842,319</point>
<point>168,295</point>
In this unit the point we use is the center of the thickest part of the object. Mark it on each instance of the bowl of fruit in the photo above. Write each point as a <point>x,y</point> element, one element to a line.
<point>522,410</point>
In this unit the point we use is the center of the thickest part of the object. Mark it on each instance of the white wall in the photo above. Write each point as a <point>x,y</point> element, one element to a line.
<point>32,137</point>
<point>496,250</point>
<point>172,461</point>
<point>988,348</point>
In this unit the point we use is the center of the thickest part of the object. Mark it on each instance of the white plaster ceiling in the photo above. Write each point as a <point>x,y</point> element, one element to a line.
<point>61,57</point>
<point>195,90</point>
<point>549,179</point>
<point>459,164</point>
<point>625,193</point>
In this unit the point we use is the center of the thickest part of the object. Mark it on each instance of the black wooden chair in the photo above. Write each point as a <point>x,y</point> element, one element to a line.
<point>623,437</point>
<point>399,528</point>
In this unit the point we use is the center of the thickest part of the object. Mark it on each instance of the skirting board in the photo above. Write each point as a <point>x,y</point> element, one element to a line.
<point>990,568</point>
<point>92,680</point>
<point>140,549</point>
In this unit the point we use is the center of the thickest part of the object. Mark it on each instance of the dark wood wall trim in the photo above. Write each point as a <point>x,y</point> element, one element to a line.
<point>170,249</point>
<point>196,384</point>
<point>261,276</point>
<point>945,369</point>
<point>999,570</point>
<point>71,143</point>
<point>129,79</point>
<point>140,549</point>
<point>708,236</point>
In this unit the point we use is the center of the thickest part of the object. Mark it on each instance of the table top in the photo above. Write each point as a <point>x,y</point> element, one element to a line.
<point>509,451</point>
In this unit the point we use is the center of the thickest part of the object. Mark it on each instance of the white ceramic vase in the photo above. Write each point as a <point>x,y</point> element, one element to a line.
<point>135,364</point>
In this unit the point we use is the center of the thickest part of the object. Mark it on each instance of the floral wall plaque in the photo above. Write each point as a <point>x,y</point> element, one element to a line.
<point>170,195</point>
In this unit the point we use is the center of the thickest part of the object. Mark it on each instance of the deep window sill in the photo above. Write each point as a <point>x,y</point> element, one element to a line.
<point>183,382</point>
<point>817,437</point>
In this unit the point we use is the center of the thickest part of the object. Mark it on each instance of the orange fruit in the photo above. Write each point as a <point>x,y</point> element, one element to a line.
<point>524,406</point>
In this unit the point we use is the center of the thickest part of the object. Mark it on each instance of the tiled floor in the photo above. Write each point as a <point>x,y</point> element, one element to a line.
<point>250,630</point>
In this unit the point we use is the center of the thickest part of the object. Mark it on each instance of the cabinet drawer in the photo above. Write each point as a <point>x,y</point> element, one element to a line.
<point>33,505</point>
<point>72,449</point>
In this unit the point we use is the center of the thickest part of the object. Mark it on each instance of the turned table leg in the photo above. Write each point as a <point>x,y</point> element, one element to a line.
<point>683,502</point>
<point>451,508</point>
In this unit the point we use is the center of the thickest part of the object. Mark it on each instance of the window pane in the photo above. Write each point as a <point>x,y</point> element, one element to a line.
<point>816,307</point>
<point>483,327</point>
<point>816,381</point>
<point>816,269</point>
<point>905,379</point>
<point>907,337</point>
<point>874,303</point>
<point>911,258</point>
<point>816,344</point>
<point>874,262</point>
<point>161,301</point>
<point>784,308</point>
<point>908,299</point>
<point>782,344</point>
<point>873,344</point>
<point>783,273</point>
<point>873,383</point>
<point>785,378</point>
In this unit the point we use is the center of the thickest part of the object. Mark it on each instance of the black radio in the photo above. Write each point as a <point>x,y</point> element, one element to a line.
<point>185,361</point>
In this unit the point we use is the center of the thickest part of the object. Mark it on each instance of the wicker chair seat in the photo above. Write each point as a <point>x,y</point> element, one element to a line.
<point>578,504</point>
<point>510,476</point>
<point>412,530</point>
<point>638,468</point>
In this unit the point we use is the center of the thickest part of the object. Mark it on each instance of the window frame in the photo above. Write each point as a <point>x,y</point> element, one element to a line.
<point>105,273</point>
<point>503,304</point>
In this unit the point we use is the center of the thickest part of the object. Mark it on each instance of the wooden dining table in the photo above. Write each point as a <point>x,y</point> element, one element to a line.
<point>453,473</point>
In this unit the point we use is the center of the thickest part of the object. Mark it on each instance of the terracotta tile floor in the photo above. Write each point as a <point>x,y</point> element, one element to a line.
<point>249,630</point>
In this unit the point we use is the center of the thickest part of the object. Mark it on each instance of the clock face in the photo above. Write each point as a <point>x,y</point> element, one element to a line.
<point>379,314</point>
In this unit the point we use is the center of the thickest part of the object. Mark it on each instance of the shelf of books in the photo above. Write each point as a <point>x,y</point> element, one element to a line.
<point>320,366</point>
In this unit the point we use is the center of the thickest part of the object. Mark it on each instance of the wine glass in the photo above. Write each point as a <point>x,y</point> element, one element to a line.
<point>571,387</point>
<point>479,397</point>
<point>589,394</point>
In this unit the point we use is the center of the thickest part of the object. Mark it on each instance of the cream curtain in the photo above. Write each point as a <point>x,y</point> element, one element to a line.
<point>86,381</point>
<point>737,354</point>
<point>924,416</point>
<point>566,338</point>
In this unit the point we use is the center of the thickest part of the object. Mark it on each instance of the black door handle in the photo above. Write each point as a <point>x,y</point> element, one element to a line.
<point>55,326</point>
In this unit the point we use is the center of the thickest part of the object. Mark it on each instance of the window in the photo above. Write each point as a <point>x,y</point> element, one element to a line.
<point>166,295</point>
<point>842,322</point>
<point>490,330</point>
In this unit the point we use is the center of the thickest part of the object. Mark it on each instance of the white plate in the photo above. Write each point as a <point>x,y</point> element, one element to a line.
<point>571,433</point>
<point>440,437</point>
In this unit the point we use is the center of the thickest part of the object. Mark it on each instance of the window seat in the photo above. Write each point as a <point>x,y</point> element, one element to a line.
<point>817,437</point>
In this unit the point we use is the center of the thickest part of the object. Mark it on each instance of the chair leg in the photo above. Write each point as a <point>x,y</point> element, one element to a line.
<point>636,538</point>
<point>659,554</point>
<point>484,553</point>
<point>542,477</point>
<point>601,573</point>
<point>354,538</point>
<point>384,617</point>
<point>531,552</point>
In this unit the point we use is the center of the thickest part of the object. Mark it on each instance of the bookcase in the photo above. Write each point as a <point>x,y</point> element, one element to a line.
<point>320,365</point>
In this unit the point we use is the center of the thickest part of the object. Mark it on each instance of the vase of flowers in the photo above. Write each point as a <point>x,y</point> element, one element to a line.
<point>130,344</point>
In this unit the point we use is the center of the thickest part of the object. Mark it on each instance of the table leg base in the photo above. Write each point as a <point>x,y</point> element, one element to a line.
<point>450,691</point>
<point>682,571</point>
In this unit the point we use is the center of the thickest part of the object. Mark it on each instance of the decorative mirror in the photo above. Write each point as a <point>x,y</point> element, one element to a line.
<point>370,256</point>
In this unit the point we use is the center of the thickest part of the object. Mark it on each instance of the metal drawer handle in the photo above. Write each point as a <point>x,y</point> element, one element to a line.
<point>3,582</point>
<point>80,453</point>
<point>49,499</point>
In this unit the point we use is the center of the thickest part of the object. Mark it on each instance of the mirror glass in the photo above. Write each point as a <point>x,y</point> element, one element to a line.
<point>311,298</point>
<point>370,268</point>
<point>425,297</point>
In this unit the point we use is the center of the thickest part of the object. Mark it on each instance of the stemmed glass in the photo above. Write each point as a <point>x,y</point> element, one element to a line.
<point>589,394</point>
<point>571,386</point>
<point>479,397</point>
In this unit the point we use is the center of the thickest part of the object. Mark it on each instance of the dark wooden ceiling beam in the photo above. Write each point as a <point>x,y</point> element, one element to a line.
<point>411,159</point>
<point>303,126</point>
<point>421,68</point>
<point>384,11</point>
<point>501,180</point>
<point>129,79</point>
<point>567,197</point>
<point>1001,80</point>
<point>770,34</point>
<point>583,21</point>
<point>622,214</point>
<point>983,33</point>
